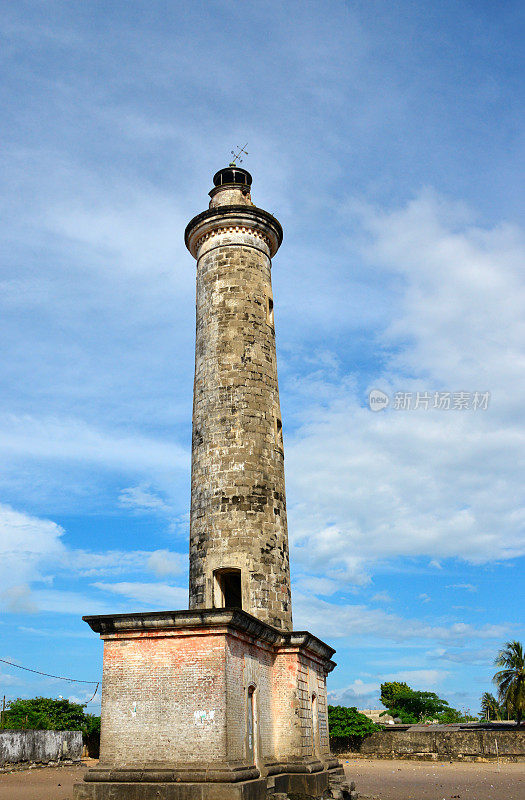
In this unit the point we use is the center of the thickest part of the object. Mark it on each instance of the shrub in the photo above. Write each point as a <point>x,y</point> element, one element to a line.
<point>44,713</point>
<point>348,727</point>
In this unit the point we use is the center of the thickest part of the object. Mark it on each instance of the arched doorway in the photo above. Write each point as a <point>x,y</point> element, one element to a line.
<point>251,726</point>
<point>315,726</point>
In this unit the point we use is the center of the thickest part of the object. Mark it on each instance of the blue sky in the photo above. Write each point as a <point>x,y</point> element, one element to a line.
<point>388,140</point>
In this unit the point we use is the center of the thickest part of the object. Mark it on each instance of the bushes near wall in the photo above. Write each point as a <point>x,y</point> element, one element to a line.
<point>47,713</point>
<point>348,728</point>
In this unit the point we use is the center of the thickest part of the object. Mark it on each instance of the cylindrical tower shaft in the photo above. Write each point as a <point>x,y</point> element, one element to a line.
<point>238,531</point>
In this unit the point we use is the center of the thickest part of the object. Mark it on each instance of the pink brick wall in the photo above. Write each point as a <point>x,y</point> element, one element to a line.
<point>182,696</point>
<point>153,687</point>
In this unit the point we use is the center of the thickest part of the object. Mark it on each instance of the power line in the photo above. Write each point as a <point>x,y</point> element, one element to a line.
<point>91,698</point>
<point>47,674</point>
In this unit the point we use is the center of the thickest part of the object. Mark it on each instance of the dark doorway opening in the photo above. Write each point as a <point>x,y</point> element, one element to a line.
<point>228,589</point>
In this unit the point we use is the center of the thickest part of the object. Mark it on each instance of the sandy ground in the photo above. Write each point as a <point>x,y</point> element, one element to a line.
<point>385,780</point>
<point>416,780</point>
<point>42,783</point>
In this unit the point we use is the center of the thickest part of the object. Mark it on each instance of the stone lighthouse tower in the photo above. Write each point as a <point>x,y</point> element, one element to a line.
<point>223,701</point>
<point>238,534</point>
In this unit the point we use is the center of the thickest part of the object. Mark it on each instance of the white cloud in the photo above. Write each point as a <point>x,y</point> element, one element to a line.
<point>435,484</point>
<point>357,693</point>
<point>160,595</point>
<point>143,499</point>
<point>32,553</point>
<point>55,633</point>
<point>133,225</point>
<point>19,599</point>
<point>163,562</point>
<point>329,620</point>
<point>6,679</point>
<point>25,599</point>
<point>87,698</point>
<point>311,583</point>
<point>468,587</point>
<point>54,439</point>
<point>381,597</point>
<point>28,547</point>
<point>480,655</point>
<point>420,679</point>
<point>327,546</point>
<point>458,278</point>
<point>366,694</point>
<point>113,562</point>
<point>138,233</point>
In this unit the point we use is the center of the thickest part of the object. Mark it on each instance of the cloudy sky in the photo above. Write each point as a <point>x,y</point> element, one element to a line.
<point>388,140</point>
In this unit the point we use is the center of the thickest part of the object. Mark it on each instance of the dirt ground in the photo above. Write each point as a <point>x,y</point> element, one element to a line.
<point>41,783</point>
<point>424,780</point>
<point>385,780</point>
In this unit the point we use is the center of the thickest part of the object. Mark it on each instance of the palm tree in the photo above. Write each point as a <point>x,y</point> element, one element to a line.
<point>490,708</point>
<point>511,680</point>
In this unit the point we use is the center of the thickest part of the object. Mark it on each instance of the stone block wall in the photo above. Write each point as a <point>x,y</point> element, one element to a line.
<point>462,744</point>
<point>39,746</point>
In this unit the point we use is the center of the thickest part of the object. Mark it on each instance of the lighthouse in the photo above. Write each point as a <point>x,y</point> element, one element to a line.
<point>224,700</point>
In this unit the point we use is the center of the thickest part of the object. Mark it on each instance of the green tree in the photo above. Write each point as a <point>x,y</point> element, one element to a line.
<point>349,726</point>
<point>511,679</point>
<point>490,708</point>
<point>390,690</point>
<point>44,713</point>
<point>450,716</point>
<point>411,706</point>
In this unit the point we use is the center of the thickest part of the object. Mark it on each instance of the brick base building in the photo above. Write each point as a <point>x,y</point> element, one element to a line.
<point>211,704</point>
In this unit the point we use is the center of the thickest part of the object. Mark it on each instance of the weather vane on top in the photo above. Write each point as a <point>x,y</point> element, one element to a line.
<point>237,155</point>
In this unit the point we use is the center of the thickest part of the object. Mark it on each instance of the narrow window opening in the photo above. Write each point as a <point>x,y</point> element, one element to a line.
<point>279,432</point>
<point>315,725</point>
<point>250,725</point>
<point>228,588</point>
<point>269,310</point>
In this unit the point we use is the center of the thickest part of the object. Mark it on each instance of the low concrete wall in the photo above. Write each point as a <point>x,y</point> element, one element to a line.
<point>39,746</point>
<point>437,745</point>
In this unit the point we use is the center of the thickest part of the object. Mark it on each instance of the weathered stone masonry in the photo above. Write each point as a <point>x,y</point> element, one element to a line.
<point>238,506</point>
